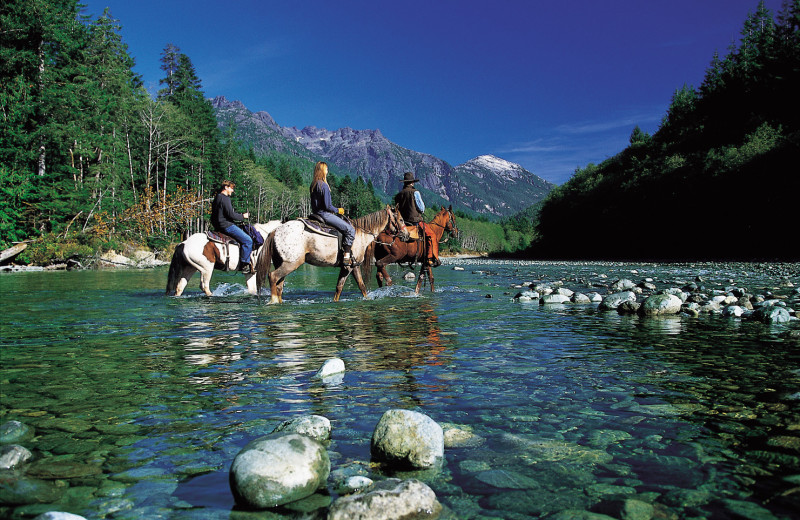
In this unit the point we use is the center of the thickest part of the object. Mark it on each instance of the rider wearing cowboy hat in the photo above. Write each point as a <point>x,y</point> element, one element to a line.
<point>409,201</point>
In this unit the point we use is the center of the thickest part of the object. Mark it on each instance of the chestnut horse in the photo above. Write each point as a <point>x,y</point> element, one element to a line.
<point>291,245</point>
<point>390,250</point>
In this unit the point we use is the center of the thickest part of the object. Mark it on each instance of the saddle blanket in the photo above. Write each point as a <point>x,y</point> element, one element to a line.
<point>222,238</point>
<point>317,227</point>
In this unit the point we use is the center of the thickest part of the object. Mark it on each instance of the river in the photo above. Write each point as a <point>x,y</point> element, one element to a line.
<point>140,402</point>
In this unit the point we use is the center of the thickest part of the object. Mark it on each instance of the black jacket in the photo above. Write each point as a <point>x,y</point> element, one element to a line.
<point>222,214</point>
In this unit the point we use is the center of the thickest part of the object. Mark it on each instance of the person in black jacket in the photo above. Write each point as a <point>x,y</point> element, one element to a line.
<point>223,219</point>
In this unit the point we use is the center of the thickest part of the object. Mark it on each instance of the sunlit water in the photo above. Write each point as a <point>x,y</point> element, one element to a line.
<point>140,401</point>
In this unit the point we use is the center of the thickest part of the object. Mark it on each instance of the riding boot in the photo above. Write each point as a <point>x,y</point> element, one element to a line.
<point>347,259</point>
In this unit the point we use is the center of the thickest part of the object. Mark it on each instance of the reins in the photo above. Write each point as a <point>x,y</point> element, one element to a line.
<point>444,228</point>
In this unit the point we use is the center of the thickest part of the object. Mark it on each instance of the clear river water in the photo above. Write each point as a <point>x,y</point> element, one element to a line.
<point>139,402</point>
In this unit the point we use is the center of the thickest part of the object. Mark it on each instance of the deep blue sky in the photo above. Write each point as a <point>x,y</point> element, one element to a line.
<point>547,84</point>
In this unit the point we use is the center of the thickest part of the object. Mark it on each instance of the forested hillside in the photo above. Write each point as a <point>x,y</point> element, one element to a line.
<point>89,160</point>
<point>719,179</point>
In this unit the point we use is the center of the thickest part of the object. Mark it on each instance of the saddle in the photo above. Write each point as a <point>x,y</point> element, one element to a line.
<point>315,224</point>
<point>221,238</point>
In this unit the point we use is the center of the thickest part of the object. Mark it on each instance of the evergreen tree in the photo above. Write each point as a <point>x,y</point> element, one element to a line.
<point>199,165</point>
<point>169,64</point>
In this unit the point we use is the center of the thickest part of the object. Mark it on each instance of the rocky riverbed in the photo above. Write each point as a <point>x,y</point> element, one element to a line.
<point>578,390</point>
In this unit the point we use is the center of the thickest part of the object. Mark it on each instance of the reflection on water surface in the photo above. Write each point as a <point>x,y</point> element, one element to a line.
<point>140,402</point>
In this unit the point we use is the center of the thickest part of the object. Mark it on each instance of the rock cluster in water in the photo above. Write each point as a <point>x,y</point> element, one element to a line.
<point>645,299</point>
<point>291,464</point>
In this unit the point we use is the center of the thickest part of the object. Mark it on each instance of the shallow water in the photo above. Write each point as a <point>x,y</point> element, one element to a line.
<point>140,401</point>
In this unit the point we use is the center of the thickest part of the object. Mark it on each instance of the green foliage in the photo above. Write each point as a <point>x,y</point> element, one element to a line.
<point>86,152</point>
<point>14,190</point>
<point>734,143</point>
<point>728,158</point>
<point>50,248</point>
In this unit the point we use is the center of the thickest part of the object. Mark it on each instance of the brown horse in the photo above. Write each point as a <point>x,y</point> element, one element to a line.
<point>291,245</point>
<point>390,249</point>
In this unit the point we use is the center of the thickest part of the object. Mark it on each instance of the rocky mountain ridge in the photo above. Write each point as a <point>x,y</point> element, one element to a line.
<point>485,185</point>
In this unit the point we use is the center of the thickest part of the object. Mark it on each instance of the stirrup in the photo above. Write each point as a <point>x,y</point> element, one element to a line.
<point>349,261</point>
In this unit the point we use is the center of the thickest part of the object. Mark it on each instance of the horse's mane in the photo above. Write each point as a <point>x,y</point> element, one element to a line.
<point>371,221</point>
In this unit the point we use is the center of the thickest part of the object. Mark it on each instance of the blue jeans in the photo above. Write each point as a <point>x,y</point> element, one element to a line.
<point>348,231</point>
<point>244,239</point>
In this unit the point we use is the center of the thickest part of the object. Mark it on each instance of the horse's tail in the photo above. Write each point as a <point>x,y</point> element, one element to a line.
<point>175,269</point>
<point>369,257</point>
<point>264,261</point>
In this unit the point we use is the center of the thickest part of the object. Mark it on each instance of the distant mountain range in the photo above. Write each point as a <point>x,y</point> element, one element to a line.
<point>486,185</point>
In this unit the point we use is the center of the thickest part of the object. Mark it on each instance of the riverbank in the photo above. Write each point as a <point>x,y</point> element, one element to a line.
<point>137,259</point>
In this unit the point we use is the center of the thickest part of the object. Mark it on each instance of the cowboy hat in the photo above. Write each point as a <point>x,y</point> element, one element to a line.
<point>409,177</point>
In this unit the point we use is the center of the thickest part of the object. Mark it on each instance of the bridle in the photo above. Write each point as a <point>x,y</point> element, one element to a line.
<point>450,221</point>
<point>394,221</point>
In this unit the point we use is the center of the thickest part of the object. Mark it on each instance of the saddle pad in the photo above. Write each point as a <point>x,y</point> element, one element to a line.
<point>316,227</point>
<point>222,238</point>
<point>413,232</point>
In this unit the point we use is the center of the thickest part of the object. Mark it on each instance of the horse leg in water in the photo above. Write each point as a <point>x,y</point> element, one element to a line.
<point>344,272</point>
<point>381,274</point>
<point>426,268</point>
<point>187,270</point>
<point>430,275</point>
<point>393,255</point>
<point>278,276</point>
<point>360,280</point>
<point>205,279</point>
<point>251,283</point>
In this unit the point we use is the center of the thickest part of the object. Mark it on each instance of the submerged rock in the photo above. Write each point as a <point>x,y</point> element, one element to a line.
<point>552,450</point>
<point>15,432</point>
<point>407,438</point>
<point>456,437</point>
<point>772,314</point>
<point>390,499</point>
<point>505,479</point>
<point>315,426</point>
<point>278,469</point>
<point>22,491</point>
<point>58,515</point>
<point>13,455</point>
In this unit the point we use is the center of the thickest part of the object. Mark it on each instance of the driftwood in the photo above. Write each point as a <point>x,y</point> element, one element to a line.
<point>11,252</point>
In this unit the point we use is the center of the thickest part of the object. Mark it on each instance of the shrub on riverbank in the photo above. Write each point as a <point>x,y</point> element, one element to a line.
<point>54,249</point>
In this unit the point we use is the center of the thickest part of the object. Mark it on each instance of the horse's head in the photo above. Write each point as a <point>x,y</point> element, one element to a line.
<point>450,227</point>
<point>396,225</point>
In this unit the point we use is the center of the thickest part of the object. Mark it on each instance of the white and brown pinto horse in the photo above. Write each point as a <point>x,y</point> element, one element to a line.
<point>199,253</point>
<point>292,244</point>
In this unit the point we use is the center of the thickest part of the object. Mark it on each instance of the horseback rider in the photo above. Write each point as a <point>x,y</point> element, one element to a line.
<point>322,206</point>
<point>409,202</point>
<point>223,219</point>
